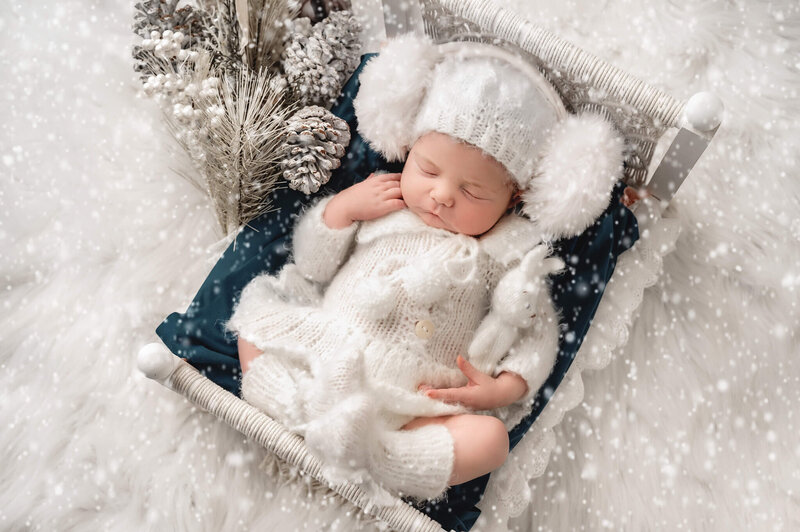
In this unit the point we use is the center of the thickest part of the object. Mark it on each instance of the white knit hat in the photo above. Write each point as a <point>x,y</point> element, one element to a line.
<point>492,99</point>
<point>490,104</point>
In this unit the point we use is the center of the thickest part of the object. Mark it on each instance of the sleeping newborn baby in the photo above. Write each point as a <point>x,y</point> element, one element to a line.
<point>359,344</point>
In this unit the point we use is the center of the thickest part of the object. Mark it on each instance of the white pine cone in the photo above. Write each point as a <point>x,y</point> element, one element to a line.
<point>317,60</point>
<point>315,143</point>
<point>342,31</point>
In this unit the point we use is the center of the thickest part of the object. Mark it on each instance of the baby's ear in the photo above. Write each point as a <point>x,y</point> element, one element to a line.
<point>516,197</point>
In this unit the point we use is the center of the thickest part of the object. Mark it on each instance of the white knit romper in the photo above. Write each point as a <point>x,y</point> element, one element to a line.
<point>361,318</point>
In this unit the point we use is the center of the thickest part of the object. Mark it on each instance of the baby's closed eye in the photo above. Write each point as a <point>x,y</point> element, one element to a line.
<point>473,194</point>
<point>427,171</point>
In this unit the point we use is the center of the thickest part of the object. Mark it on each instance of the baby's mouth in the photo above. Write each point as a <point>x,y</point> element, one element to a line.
<point>433,212</point>
<point>435,215</point>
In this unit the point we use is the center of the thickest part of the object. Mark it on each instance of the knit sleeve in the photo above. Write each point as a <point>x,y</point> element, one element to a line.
<point>318,249</point>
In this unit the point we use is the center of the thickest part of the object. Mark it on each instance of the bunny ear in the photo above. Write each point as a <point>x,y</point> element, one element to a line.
<point>533,259</point>
<point>536,262</point>
<point>578,170</point>
<point>553,265</point>
<point>392,87</point>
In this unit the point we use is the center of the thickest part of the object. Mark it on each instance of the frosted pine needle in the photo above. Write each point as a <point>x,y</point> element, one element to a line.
<point>266,31</point>
<point>242,153</point>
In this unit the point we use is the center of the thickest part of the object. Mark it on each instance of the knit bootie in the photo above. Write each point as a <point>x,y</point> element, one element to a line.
<point>274,384</point>
<point>340,438</point>
<point>334,381</point>
<point>415,463</point>
<point>341,417</point>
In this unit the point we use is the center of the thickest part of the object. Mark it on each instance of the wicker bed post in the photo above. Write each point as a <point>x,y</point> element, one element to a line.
<point>701,118</point>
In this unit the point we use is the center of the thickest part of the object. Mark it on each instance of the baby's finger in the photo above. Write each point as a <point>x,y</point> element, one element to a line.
<point>471,372</point>
<point>377,176</point>
<point>448,395</point>
<point>395,204</point>
<point>388,185</point>
<point>631,195</point>
<point>393,180</point>
<point>628,196</point>
<point>390,178</point>
<point>392,193</point>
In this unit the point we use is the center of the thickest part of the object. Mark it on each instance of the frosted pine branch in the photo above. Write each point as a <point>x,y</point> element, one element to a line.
<point>244,146</point>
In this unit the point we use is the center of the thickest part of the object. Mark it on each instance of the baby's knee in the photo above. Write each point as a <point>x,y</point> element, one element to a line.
<point>495,442</point>
<point>247,353</point>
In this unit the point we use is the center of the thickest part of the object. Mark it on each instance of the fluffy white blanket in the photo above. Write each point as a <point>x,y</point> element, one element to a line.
<point>692,426</point>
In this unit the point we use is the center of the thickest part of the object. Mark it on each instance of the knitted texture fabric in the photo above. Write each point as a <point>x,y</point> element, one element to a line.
<point>414,462</point>
<point>492,105</point>
<point>399,302</point>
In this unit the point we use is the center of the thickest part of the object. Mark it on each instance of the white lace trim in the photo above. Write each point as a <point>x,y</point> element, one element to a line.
<point>508,493</point>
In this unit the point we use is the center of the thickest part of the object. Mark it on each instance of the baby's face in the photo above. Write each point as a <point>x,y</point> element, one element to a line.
<point>452,185</point>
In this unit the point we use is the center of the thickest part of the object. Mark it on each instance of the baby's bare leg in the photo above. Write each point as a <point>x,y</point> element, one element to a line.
<point>247,353</point>
<point>480,443</point>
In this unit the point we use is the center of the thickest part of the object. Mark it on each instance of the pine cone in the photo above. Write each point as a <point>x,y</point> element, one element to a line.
<point>341,29</point>
<point>315,141</point>
<point>318,59</point>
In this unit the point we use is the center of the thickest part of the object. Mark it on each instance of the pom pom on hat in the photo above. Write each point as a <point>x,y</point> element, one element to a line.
<point>575,176</point>
<point>391,90</point>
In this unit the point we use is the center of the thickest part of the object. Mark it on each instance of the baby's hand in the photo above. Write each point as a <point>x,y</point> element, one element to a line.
<point>631,195</point>
<point>372,198</point>
<point>482,392</point>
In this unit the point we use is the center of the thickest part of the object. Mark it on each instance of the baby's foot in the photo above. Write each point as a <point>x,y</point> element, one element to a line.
<point>417,463</point>
<point>271,386</point>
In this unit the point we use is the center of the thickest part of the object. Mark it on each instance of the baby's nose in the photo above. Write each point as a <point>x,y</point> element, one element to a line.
<point>442,195</point>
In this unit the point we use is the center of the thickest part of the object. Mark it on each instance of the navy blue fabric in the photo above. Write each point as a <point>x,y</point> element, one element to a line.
<point>198,334</point>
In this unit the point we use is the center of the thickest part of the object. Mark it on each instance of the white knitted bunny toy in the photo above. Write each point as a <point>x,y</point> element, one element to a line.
<point>520,300</point>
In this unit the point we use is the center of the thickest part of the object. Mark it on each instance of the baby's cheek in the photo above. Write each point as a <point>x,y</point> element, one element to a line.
<point>477,219</point>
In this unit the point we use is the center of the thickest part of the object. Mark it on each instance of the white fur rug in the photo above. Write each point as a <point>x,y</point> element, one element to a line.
<point>692,426</point>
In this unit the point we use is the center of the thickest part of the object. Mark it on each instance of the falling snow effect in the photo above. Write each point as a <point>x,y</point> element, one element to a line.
<point>693,425</point>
